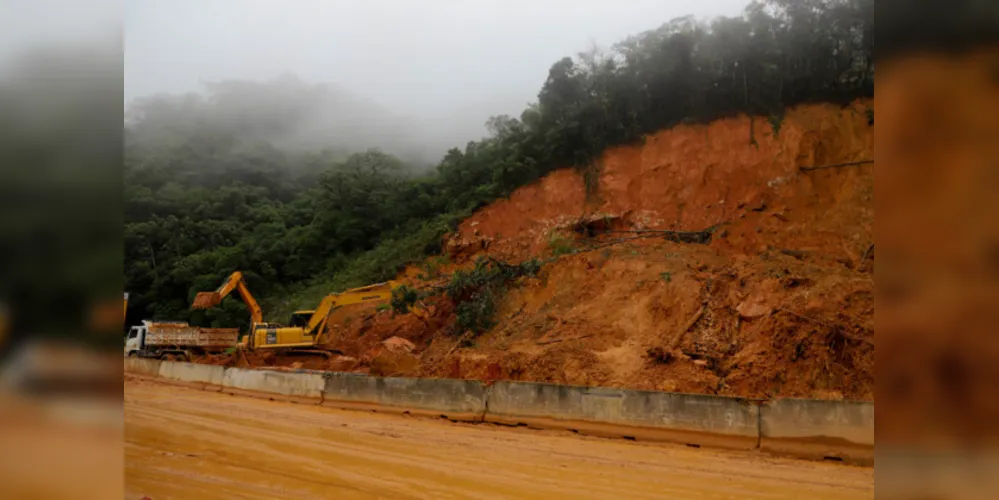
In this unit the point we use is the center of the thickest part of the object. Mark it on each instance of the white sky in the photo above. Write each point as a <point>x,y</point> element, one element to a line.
<point>427,59</point>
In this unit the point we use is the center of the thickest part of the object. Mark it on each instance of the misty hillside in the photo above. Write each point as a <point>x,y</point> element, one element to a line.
<point>286,112</point>
<point>216,183</point>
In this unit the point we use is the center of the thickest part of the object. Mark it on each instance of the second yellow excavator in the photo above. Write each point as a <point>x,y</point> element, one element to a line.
<point>304,330</point>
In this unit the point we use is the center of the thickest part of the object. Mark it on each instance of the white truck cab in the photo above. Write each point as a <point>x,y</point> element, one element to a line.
<point>135,340</point>
<point>136,343</point>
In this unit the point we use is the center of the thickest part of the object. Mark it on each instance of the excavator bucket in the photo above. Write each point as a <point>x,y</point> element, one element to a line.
<point>205,300</point>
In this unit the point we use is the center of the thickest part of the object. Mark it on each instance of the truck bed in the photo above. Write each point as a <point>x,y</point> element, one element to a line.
<point>164,334</point>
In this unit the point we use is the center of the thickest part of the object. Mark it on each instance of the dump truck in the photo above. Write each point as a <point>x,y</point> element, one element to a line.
<point>177,340</point>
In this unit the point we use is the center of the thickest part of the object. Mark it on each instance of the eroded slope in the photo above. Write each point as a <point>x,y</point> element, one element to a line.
<point>779,301</point>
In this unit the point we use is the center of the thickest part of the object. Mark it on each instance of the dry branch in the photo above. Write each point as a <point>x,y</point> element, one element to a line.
<point>546,342</point>
<point>834,165</point>
<point>701,237</point>
<point>690,324</point>
<point>457,344</point>
<point>866,253</point>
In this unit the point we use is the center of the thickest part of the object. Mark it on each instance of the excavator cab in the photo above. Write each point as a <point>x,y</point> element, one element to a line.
<point>300,319</point>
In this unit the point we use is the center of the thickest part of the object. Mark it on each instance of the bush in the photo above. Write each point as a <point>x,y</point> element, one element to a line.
<point>560,245</point>
<point>403,299</point>
<point>475,292</point>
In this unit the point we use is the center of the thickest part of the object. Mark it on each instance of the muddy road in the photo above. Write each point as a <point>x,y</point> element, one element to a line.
<point>188,444</point>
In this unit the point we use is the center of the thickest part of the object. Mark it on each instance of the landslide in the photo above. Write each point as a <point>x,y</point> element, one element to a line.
<point>774,299</point>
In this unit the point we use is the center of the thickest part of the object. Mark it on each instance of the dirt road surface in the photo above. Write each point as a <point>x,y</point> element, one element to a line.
<point>188,444</point>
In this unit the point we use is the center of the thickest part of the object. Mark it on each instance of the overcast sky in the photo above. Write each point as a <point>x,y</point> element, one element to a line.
<point>422,58</point>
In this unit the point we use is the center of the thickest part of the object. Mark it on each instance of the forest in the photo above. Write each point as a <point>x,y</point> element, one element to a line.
<point>212,186</point>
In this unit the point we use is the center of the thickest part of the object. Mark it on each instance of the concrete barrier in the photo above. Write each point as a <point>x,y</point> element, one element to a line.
<point>142,366</point>
<point>448,398</point>
<point>842,430</point>
<point>197,375</point>
<point>300,387</point>
<point>811,428</point>
<point>641,415</point>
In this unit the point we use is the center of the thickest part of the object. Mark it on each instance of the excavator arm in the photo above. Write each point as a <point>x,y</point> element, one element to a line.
<point>205,300</point>
<point>370,293</point>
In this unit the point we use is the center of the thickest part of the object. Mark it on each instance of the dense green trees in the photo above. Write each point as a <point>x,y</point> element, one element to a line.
<point>206,195</point>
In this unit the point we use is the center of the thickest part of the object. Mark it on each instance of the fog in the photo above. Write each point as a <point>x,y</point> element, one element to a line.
<point>439,67</point>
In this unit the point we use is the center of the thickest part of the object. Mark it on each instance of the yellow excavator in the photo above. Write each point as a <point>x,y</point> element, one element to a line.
<point>305,329</point>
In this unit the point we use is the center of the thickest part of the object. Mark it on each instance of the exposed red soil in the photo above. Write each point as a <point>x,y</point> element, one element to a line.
<point>779,303</point>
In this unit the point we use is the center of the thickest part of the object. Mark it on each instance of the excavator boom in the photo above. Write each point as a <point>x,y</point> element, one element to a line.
<point>205,300</point>
<point>369,293</point>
